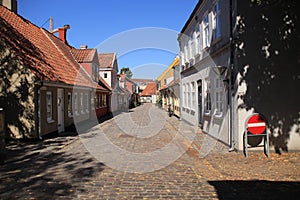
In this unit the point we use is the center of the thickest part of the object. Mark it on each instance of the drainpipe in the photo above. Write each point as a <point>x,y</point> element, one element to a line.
<point>231,82</point>
<point>180,92</point>
<point>37,108</point>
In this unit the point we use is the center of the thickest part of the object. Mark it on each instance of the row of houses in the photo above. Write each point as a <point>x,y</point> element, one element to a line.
<point>231,66</point>
<point>47,85</point>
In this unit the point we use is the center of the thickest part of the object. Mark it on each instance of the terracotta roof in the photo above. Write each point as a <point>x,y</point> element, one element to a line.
<point>140,80</point>
<point>149,90</point>
<point>106,60</point>
<point>83,55</point>
<point>46,55</point>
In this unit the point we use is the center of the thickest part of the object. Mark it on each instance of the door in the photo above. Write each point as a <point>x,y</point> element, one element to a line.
<point>199,83</point>
<point>60,110</point>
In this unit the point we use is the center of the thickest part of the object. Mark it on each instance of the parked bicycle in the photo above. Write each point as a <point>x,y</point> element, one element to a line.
<point>170,110</point>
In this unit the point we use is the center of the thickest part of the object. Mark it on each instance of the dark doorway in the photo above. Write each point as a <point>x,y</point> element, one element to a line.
<point>199,83</point>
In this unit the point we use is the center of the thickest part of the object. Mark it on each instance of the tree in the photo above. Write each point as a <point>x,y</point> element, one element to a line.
<point>126,71</point>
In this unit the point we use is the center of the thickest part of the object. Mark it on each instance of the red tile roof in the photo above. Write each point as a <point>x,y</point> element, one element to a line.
<point>106,60</point>
<point>149,90</point>
<point>84,55</point>
<point>140,80</point>
<point>46,55</point>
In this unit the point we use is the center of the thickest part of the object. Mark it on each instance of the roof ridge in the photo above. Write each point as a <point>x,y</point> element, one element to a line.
<point>68,60</point>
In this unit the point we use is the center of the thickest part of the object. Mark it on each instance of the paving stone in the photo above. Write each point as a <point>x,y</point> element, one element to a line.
<point>63,168</point>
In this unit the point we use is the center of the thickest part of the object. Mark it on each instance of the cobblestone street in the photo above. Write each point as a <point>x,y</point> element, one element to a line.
<point>69,167</point>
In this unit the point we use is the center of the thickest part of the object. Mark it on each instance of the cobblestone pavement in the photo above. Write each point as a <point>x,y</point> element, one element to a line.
<point>63,168</point>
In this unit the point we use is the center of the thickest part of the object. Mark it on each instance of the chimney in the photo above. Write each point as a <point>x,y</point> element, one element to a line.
<point>83,46</point>
<point>10,4</point>
<point>62,33</point>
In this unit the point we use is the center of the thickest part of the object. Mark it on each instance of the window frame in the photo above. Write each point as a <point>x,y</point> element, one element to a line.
<point>206,31</point>
<point>216,20</point>
<point>207,99</point>
<point>219,97</point>
<point>49,102</point>
<point>70,104</point>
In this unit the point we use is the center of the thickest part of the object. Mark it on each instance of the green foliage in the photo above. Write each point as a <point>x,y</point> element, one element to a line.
<point>126,71</point>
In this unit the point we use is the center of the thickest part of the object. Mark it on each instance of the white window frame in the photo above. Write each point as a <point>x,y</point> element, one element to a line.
<point>193,95</point>
<point>189,95</point>
<point>207,99</point>
<point>206,31</point>
<point>217,20</point>
<point>49,104</point>
<point>219,102</point>
<point>184,95</point>
<point>198,39</point>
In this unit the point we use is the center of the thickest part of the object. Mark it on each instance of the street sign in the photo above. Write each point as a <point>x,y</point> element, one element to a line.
<point>256,124</point>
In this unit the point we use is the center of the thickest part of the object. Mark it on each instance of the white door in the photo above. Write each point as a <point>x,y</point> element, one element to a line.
<point>60,110</point>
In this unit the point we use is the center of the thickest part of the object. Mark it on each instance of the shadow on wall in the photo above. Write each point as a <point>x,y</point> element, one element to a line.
<point>256,189</point>
<point>268,60</point>
<point>18,56</point>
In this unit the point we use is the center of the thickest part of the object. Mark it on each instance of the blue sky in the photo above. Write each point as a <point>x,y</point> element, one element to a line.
<point>99,24</point>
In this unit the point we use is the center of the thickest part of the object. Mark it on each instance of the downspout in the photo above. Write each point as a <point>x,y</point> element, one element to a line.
<point>231,82</point>
<point>39,85</point>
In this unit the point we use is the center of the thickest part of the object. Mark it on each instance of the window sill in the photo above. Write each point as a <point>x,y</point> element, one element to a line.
<point>207,113</point>
<point>217,40</point>
<point>50,121</point>
<point>219,115</point>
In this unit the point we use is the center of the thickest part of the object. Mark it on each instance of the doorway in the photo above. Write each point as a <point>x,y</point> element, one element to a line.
<point>199,83</point>
<point>60,110</point>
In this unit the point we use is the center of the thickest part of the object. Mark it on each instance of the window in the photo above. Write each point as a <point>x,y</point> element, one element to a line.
<point>92,101</point>
<point>81,103</point>
<point>206,35</point>
<point>49,104</point>
<point>191,47</point>
<point>193,90</point>
<point>208,99</point>
<point>87,103</point>
<point>188,96</point>
<point>105,75</point>
<point>219,97</point>
<point>186,53</point>
<point>198,40</point>
<point>104,100</point>
<point>184,95</point>
<point>96,101</point>
<point>99,101</point>
<point>70,105</point>
<point>76,103</point>
<point>217,20</point>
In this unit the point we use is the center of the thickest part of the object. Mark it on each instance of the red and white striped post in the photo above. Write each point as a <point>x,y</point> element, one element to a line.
<point>256,125</point>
